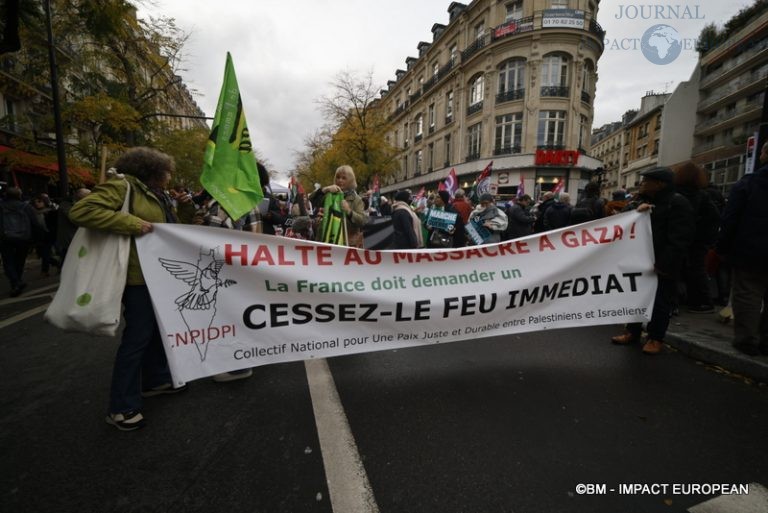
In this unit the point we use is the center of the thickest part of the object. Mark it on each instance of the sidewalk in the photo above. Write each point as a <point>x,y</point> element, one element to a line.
<point>705,338</point>
<point>700,336</point>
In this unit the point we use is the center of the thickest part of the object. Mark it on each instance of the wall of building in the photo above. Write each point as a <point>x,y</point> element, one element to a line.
<point>482,44</point>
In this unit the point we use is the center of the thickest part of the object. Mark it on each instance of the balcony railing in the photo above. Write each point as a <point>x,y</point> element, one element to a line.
<point>476,45</point>
<point>477,107</point>
<point>417,138</point>
<point>448,119</point>
<point>473,156</point>
<point>732,63</point>
<point>415,96</point>
<point>510,28</point>
<point>506,150</point>
<point>596,29</point>
<point>720,93</point>
<point>747,107</point>
<point>555,91</point>
<point>426,86</point>
<point>550,147</point>
<point>585,97</point>
<point>508,96</point>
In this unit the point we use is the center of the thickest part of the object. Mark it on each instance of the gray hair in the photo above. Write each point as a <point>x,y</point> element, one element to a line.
<point>146,164</point>
<point>565,198</point>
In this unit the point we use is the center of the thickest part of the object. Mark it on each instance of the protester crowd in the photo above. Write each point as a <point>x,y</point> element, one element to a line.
<point>699,243</point>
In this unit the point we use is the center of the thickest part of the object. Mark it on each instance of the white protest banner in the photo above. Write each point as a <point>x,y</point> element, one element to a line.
<point>226,299</point>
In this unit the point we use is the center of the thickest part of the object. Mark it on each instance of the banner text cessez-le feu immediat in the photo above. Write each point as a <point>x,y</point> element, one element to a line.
<point>227,300</point>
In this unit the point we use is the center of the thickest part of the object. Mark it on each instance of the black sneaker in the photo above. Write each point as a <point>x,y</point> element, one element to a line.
<point>701,309</point>
<point>128,421</point>
<point>165,388</point>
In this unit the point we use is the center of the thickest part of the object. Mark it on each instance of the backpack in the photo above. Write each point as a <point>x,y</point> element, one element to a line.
<point>16,225</point>
<point>587,209</point>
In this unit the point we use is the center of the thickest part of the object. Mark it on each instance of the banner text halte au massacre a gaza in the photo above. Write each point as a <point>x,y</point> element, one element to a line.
<point>227,299</point>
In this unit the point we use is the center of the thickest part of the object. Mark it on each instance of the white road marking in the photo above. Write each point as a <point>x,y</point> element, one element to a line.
<point>755,502</point>
<point>23,315</point>
<point>348,486</point>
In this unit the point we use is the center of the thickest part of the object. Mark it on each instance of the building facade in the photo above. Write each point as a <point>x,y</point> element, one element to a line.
<point>509,82</point>
<point>27,141</point>
<point>731,90</point>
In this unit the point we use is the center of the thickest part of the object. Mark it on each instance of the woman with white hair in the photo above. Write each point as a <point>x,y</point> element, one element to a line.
<point>354,209</point>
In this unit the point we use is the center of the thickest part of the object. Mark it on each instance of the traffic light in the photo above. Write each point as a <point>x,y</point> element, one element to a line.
<point>9,40</point>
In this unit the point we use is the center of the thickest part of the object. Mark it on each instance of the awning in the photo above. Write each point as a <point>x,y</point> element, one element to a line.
<point>29,163</point>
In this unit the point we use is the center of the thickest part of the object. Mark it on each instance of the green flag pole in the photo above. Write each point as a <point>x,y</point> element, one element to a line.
<point>229,173</point>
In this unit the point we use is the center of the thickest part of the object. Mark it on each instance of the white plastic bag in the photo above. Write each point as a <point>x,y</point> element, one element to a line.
<point>92,281</point>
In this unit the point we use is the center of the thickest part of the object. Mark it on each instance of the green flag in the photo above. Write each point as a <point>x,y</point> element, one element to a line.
<point>229,172</point>
<point>333,229</point>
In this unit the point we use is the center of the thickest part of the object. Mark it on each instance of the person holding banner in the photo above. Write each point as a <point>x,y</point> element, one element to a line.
<point>489,216</point>
<point>344,213</point>
<point>141,368</point>
<point>673,226</point>
<point>442,223</point>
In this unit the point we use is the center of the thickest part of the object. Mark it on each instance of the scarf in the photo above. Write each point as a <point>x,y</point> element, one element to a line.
<point>414,218</point>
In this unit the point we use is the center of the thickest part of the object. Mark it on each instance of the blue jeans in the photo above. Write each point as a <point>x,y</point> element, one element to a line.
<point>140,359</point>
<point>662,311</point>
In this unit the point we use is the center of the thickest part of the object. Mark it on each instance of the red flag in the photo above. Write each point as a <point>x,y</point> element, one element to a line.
<point>451,183</point>
<point>559,187</point>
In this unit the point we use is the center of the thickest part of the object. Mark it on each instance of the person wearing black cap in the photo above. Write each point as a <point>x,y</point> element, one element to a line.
<point>673,226</point>
<point>743,243</point>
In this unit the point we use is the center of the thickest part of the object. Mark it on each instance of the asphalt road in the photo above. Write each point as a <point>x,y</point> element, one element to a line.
<point>496,425</point>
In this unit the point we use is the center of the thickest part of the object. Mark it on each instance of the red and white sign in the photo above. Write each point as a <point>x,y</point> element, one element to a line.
<point>556,157</point>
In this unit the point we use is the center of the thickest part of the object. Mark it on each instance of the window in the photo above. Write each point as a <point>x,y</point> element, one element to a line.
<point>419,125</point>
<point>473,141</point>
<point>551,128</point>
<point>431,118</point>
<point>476,90</point>
<point>417,160</point>
<point>509,131</point>
<point>405,166</point>
<point>452,52</point>
<point>554,71</point>
<point>586,77</point>
<point>430,157</point>
<point>512,76</point>
<point>479,31</point>
<point>449,107</point>
<point>559,4</point>
<point>447,146</point>
<point>405,135</point>
<point>514,11</point>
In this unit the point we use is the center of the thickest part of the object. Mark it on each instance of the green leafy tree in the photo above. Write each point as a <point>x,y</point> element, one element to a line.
<point>356,133</point>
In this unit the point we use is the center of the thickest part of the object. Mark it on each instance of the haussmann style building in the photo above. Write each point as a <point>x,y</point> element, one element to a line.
<point>510,82</point>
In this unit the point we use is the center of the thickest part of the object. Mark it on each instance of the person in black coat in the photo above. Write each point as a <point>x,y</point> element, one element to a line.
<point>691,181</point>
<point>673,226</point>
<point>520,219</point>
<point>403,224</point>
<point>547,201</point>
<point>743,243</point>
<point>559,214</point>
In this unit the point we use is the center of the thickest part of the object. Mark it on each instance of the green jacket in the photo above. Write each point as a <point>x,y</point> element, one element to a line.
<point>100,210</point>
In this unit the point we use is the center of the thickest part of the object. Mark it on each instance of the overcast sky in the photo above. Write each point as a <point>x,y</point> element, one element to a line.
<point>286,53</point>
